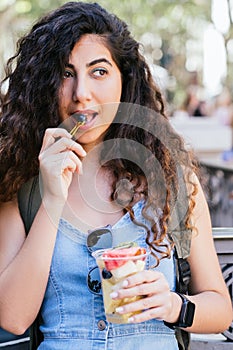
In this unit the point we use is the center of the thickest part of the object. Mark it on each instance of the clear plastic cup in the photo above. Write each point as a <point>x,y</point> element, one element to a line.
<point>113,271</point>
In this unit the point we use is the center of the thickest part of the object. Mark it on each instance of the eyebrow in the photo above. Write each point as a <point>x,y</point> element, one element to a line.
<point>92,63</point>
<point>99,60</point>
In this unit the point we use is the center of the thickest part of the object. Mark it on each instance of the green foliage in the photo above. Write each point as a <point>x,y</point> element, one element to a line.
<point>164,27</point>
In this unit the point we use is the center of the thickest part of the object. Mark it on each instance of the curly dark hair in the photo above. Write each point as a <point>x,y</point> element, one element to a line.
<point>30,106</point>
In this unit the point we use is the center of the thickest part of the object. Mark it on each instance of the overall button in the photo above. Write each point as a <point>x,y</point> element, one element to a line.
<point>101,325</point>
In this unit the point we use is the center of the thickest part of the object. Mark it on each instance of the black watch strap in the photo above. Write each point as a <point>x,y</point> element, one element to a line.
<point>186,314</point>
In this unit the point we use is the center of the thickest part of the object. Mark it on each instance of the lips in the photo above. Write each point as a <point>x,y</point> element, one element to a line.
<point>89,114</point>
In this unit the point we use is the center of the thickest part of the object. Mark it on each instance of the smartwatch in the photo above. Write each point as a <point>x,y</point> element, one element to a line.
<point>186,314</point>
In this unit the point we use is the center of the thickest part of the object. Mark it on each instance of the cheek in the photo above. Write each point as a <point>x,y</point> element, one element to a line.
<point>119,87</point>
<point>62,109</point>
<point>109,111</point>
<point>63,95</point>
<point>114,89</point>
<point>66,90</point>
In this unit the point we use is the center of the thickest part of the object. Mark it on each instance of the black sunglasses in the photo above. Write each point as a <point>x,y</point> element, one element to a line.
<point>100,238</point>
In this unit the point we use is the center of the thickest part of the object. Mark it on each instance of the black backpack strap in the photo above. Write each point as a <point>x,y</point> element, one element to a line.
<point>183,275</point>
<point>181,237</point>
<point>182,240</point>
<point>29,201</point>
<point>36,336</point>
<point>183,339</point>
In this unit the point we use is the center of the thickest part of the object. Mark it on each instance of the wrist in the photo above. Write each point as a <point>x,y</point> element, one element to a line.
<point>186,314</point>
<point>53,206</point>
<point>176,308</point>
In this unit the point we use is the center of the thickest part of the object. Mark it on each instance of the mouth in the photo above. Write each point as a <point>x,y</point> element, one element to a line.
<point>85,117</point>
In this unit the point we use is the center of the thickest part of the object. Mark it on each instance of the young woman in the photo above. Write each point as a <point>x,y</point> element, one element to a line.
<point>125,168</point>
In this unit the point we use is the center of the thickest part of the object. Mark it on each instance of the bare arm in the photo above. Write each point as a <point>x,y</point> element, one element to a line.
<point>25,262</point>
<point>24,266</point>
<point>210,294</point>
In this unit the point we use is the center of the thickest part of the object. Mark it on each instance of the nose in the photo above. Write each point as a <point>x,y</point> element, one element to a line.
<point>82,90</point>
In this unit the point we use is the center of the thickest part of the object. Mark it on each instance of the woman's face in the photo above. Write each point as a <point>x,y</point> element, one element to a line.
<point>92,86</point>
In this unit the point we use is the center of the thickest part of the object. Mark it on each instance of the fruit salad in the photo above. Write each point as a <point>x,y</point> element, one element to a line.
<point>115,265</point>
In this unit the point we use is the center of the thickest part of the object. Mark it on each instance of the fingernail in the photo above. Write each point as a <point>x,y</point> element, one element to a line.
<point>113,294</point>
<point>130,319</point>
<point>125,283</point>
<point>119,309</point>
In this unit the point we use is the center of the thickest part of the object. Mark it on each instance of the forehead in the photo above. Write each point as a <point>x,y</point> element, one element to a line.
<point>89,46</point>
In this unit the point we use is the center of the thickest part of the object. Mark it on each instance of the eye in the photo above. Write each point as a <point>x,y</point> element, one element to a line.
<point>68,74</point>
<point>99,72</point>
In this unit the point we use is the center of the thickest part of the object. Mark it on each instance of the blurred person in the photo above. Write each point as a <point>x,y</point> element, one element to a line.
<point>223,109</point>
<point>194,105</point>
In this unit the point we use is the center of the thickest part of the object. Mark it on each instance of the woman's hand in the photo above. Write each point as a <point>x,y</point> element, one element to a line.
<point>157,300</point>
<point>59,158</point>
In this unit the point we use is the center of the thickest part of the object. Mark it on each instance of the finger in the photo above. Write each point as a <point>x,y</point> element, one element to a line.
<point>60,146</point>
<point>68,164</point>
<point>64,144</point>
<point>146,315</point>
<point>151,307</point>
<point>140,289</point>
<point>52,134</point>
<point>58,163</point>
<point>143,277</point>
<point>143,284</point>
<point>146,276</point>
<point>141,304</point>
<point>73,160</point>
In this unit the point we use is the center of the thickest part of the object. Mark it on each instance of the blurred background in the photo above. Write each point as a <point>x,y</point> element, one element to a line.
<point>186,42</point>
<point>189,47</point>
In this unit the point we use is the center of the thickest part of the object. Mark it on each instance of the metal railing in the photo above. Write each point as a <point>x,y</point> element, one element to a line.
<point>223,239</point>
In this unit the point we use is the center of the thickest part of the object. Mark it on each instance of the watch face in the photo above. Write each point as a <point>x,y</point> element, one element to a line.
<point>187,313</point>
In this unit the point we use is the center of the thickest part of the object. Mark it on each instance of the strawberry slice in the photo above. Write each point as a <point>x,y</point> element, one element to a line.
<point>111,263</point>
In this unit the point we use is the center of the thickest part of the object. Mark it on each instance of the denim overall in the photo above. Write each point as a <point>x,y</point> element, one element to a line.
<point>73,317</point>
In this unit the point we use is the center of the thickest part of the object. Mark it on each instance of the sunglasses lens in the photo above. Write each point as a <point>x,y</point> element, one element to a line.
<point>99,239</point>
<point>93,281</point>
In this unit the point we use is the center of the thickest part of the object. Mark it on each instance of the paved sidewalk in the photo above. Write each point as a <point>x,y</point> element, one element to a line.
<point>210,342</point>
